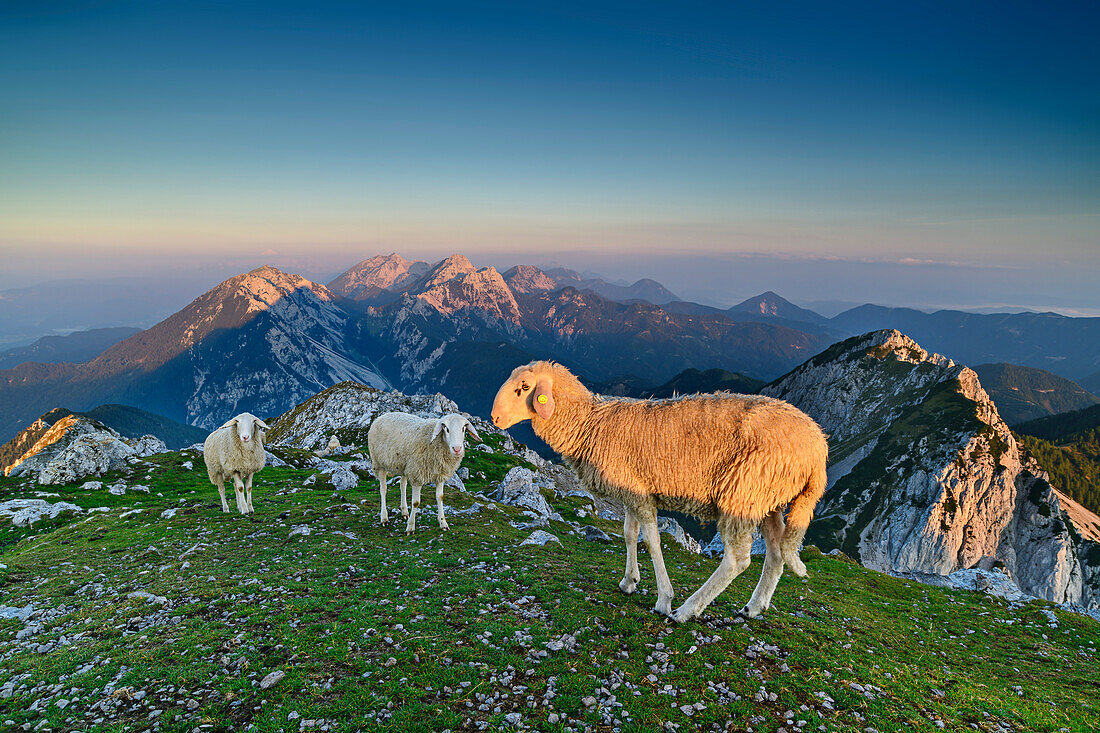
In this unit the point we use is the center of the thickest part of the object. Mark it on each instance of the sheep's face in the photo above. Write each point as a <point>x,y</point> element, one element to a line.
<point>525,395</point>
<point>452,430</point>
<point>249,427</point>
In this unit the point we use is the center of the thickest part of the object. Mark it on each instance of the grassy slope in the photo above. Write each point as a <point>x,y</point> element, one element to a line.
<point>448,630</point>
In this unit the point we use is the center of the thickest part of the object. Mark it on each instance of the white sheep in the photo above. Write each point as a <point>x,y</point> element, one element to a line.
<point>236,450</point>
<point>734,459</point>
<point>333,445</point>
<point>422,451</point>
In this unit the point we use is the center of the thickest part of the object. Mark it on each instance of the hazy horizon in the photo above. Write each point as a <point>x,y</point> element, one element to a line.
<point>900,155</point>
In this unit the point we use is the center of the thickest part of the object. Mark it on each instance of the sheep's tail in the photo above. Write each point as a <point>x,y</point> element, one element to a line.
<point>799,514</point>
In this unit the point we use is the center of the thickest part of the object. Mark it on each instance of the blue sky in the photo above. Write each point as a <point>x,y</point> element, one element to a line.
<point>138,135</point>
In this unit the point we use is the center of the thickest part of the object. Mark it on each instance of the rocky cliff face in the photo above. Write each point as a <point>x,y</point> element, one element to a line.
<point>925,478</point>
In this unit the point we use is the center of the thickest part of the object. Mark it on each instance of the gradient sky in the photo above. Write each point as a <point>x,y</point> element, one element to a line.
<point>957,140</point>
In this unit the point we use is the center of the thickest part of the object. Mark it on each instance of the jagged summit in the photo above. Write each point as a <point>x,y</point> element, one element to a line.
<point>376,274</point>
<point>925,478</point>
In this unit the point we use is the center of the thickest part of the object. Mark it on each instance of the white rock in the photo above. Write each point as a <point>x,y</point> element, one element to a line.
<point>148,445</point>
<point>521,487</point>
<point>272,679</point>
<point>169,513</point>
<point>540,537</point>
<point>24,512</point>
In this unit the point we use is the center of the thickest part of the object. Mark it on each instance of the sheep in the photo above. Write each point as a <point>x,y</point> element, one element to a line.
<point>736,460</point>
<point>333,445</point>
<point>236,450</point>
<point>422,451</point>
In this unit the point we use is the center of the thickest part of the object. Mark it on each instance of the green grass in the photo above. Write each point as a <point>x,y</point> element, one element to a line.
<point>468,614</point>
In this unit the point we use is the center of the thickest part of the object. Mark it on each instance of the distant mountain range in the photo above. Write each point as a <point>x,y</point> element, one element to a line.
<point>1026,393</point>
<point>76,347</point>
<point>266,339</point>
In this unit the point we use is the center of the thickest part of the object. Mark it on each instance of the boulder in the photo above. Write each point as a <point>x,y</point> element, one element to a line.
<point>24,512</point>
<point>540,537</point>
<point>148,445</point>
<point>91,454</point>
<point>522,487</point>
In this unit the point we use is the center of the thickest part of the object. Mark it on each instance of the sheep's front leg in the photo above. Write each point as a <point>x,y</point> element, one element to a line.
<point>439,505</point>
<point>411,526</point>
<point>248,494</point>
<point>737,537</point>
<point>664,585</point>
<point>629,583</point>
<point>384,515</point>
<point>404,502</point>
<point>772,528</point>
<point>221,493</point>
<point>238,486</point>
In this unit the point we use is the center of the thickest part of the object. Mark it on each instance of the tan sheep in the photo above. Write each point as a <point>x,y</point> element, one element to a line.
<point>736,460</point>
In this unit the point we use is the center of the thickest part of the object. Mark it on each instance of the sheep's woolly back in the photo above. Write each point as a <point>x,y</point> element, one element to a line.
<point>401,444</point>
<point>225,454</point>
<point>706,455</point>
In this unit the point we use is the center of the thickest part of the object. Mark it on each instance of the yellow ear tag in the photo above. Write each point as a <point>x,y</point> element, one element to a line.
<point>542,399</point>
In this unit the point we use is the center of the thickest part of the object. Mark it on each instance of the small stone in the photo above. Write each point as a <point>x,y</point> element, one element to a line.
<point>272,679</point>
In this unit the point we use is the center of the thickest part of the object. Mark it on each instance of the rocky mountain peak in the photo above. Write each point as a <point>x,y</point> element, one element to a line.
<point>925,478</point>
<point>529,279</point>
<point>444,271</point>
<point>381,272</point>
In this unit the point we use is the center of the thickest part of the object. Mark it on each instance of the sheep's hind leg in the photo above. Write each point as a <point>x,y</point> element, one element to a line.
<point>653,543</point>
<point>737,537</point>
<point>411,526</point>
<point>404,501</point>
<point>221,492</point>
<point>238,487</point>
<point>439,505</point>
<point>772,529</point>
<point>384,515</point>
<point>631,575</point>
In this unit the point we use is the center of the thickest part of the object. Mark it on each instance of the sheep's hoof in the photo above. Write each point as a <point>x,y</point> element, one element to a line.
<point>748,612</point>
<point>410,530</point>
<point>663,607</point>
<point>682,615</point>
<point>384,518</point>
<point>444,526</point>
<point>404,514</point>
<point>628,586</point>
<point>796,565</point>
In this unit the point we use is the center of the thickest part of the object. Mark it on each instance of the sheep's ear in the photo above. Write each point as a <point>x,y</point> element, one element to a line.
<point>438,429</point>
<point>262,424</point>
<point>542,399</point>
<point>230,422</point>
<point>471,431</point>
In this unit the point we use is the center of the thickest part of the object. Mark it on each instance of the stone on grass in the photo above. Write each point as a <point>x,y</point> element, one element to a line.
<point>540,537</point>
<point>272,679</point>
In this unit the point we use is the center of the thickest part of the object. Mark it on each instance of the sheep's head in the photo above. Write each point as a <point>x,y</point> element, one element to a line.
<point>248,427</point>
<point>525,394</point>
<point>452,428</point>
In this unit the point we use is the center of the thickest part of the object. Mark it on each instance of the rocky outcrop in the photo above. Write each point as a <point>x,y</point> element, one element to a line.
<point>347,410</point>
<point>76,446</point>
<point>925,478</point>
<point>522,487</point>
<point>24,512</point>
